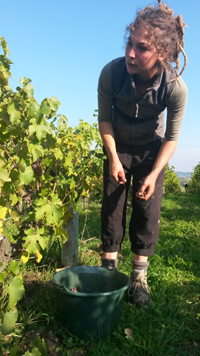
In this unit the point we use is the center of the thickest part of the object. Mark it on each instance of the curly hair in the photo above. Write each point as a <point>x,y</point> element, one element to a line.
<point>163,30</point>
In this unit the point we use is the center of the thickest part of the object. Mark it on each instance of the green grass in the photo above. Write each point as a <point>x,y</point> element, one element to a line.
<point>170,327</point>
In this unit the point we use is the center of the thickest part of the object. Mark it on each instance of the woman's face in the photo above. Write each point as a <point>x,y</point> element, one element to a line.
<point>141,56</point>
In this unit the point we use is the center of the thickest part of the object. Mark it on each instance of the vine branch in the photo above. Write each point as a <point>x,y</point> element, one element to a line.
<point>9,155</point>
<point>77,184</point>
<point>54,187</point>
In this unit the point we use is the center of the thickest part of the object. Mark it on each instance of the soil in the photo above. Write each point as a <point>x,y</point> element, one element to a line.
<point>33,282</point>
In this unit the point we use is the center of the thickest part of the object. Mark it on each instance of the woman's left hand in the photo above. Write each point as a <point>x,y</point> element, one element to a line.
<point>147,188</point>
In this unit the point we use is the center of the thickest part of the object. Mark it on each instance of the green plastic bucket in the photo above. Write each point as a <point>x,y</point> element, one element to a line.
<point>90,299</point>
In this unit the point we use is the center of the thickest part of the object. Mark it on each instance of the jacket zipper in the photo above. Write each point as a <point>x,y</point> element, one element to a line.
<point>137,108</point>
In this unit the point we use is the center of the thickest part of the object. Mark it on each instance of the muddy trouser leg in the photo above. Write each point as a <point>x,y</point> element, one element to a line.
<point>113,213</point>
<point>144,224</point>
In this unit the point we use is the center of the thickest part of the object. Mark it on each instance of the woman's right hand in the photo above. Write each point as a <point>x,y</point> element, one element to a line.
<point>117,172</point>
<point>116,169</point>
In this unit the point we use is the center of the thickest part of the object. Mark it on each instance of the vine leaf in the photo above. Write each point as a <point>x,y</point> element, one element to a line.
<point>61,232</point>
<point>13,267</point>
<point>4,175</point>
<point>14,114</point>
<point>54,103</point>
<point>38,257</point>
<point>16,217</point>
<point>67,215</point>
<point>3,211</point>
<point>34,352</point>
<point>2,276</point>
<point>15,291</point>
<point>51,209</point>
<point>58,154</point>
<point>9,320</point>
<point>25,256</point>
<point>33,242</point>
<point>40,130</point>
<point>34,106</point>
<point>40,344</point>
<point>26,176</point>
<point>14,351</point>
<point>28,89</point>
<point>35,150</point>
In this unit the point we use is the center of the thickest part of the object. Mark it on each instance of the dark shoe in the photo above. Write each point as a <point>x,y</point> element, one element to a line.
<point>139,291</point>
<point>109,264</point>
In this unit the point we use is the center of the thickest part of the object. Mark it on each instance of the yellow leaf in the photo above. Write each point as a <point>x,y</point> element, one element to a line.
<point>68,215</point>
<point>3,211</point>
<point>25,256</point>
<point>1,229</point>
<point>16,217</point>
<point>38,257</point>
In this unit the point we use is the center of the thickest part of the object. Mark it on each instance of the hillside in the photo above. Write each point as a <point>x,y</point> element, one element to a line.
<point>184,174</point>
<point>184,177</point>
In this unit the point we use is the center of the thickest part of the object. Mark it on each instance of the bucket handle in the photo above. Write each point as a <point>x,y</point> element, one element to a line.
<point>62,287</point>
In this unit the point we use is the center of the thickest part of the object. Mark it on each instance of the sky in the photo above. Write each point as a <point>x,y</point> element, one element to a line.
<point>63,45</point>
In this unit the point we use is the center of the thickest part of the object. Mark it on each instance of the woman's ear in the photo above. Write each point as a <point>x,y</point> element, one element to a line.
<point>161,57</point>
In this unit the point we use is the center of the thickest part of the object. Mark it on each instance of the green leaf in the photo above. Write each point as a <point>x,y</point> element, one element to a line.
<point>51,209</point>
<point>45,108</point>
<point>13,267</point>
<point>14,175</point>
<point>2,276</point>
<point>14,114</point>
<point>58,153</point>
<point>13,199</point>
<point>4,175</point>
<point>33,241</point>
<point>14,351</point>
<point>5,47</point>
<point>2,163</point>
<point>34,352</point>
<point>41,130</point>
<point>22,80</point>
<point>72,184</point>
<point>54,103</point>
<point>34,107</point>
<point>27,81</point>
<point>9,320</point>
<point>21,165</point>
<point>27,176</point>
<point>40,344</point>
<point>15,291</point>
<point>60,232</point>
<point>28,89</point>
<point>35,150</point>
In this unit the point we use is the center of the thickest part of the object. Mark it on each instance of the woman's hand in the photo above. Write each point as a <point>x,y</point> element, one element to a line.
<point>117,172</point>
<point>147,188</point>
<point>116,169</point>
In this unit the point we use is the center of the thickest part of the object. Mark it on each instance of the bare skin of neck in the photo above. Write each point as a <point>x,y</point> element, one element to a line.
<point>141,84</point>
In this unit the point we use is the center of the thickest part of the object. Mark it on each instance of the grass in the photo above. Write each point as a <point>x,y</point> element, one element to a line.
<point>170,327</point>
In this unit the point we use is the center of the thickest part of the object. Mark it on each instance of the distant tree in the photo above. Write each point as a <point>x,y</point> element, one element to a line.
<point>194,184</point>
<point>171,181</point>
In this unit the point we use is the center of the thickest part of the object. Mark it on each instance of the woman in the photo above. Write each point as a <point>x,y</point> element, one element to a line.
<point>133,92</point>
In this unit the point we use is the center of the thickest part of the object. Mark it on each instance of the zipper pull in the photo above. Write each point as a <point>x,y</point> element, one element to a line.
<point>136,111</point>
